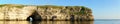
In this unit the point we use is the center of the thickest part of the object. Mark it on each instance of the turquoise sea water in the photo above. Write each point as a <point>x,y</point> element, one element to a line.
<point>97,21</point>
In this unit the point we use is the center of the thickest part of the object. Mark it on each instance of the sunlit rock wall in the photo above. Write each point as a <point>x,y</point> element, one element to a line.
<point>46,12</point>
<point>65,12</point>
<point>15,12</point>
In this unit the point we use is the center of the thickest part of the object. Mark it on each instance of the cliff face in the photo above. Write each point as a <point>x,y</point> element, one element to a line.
<point>15,12</point>
<point>46,12</point>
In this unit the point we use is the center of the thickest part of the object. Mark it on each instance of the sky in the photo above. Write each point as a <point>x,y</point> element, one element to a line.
<point>102,9</point>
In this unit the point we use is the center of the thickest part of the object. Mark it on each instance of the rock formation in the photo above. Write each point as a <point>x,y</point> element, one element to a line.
<point>45,12</point>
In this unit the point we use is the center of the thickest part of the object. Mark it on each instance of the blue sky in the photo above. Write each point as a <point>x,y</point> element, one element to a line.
<point>102,9</point>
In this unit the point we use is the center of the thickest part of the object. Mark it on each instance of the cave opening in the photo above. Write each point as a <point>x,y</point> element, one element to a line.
<point>72,17</point>
<point>53,17</point>
<point>34,17</point>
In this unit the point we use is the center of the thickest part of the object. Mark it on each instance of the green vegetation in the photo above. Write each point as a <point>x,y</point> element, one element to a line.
<point>2,5</point>
<point>19,6</point>
<point>51,6</point>
<point>83,10</point>
<point>11,5</point>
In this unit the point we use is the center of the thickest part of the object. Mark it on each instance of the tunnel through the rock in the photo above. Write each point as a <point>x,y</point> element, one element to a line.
<point>34,17</point>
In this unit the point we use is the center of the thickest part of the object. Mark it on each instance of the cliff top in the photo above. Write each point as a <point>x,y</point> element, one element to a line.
<point>43,6</point>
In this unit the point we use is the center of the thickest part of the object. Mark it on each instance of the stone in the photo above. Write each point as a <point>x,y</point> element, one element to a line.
<point>45,12</point>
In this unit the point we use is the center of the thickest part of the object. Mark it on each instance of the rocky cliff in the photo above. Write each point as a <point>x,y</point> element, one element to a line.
<point>45,12</point>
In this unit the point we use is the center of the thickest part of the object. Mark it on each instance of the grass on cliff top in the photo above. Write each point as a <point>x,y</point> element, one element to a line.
<point>51,6</point>
<point>83,7</point>
<point>2,5</point>
<point>12,5</point>
<point>59,7</point>
<point>46,6</point>
<point>83,10</point>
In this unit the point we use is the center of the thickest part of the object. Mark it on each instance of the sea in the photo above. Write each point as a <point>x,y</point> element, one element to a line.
<point>96,21</point>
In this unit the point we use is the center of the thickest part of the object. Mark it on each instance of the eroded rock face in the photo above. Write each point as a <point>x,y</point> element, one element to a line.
<point>65,12</point>
<point>46,12</point>
<point>15,12</point>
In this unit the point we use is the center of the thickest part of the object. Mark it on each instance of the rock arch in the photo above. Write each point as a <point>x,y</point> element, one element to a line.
<point>34,17</point>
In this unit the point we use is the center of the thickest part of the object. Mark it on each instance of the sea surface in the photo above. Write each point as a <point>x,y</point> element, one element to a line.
<point>97,21</point>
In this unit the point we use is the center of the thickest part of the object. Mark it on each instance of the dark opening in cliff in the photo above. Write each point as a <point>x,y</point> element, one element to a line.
<point>34,17</point>
<point>53,18</point>
<point>72,17</point>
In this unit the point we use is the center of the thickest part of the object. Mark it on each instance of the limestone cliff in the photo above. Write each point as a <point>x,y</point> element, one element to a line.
<point>15,12</point>
<point>46,12</point>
